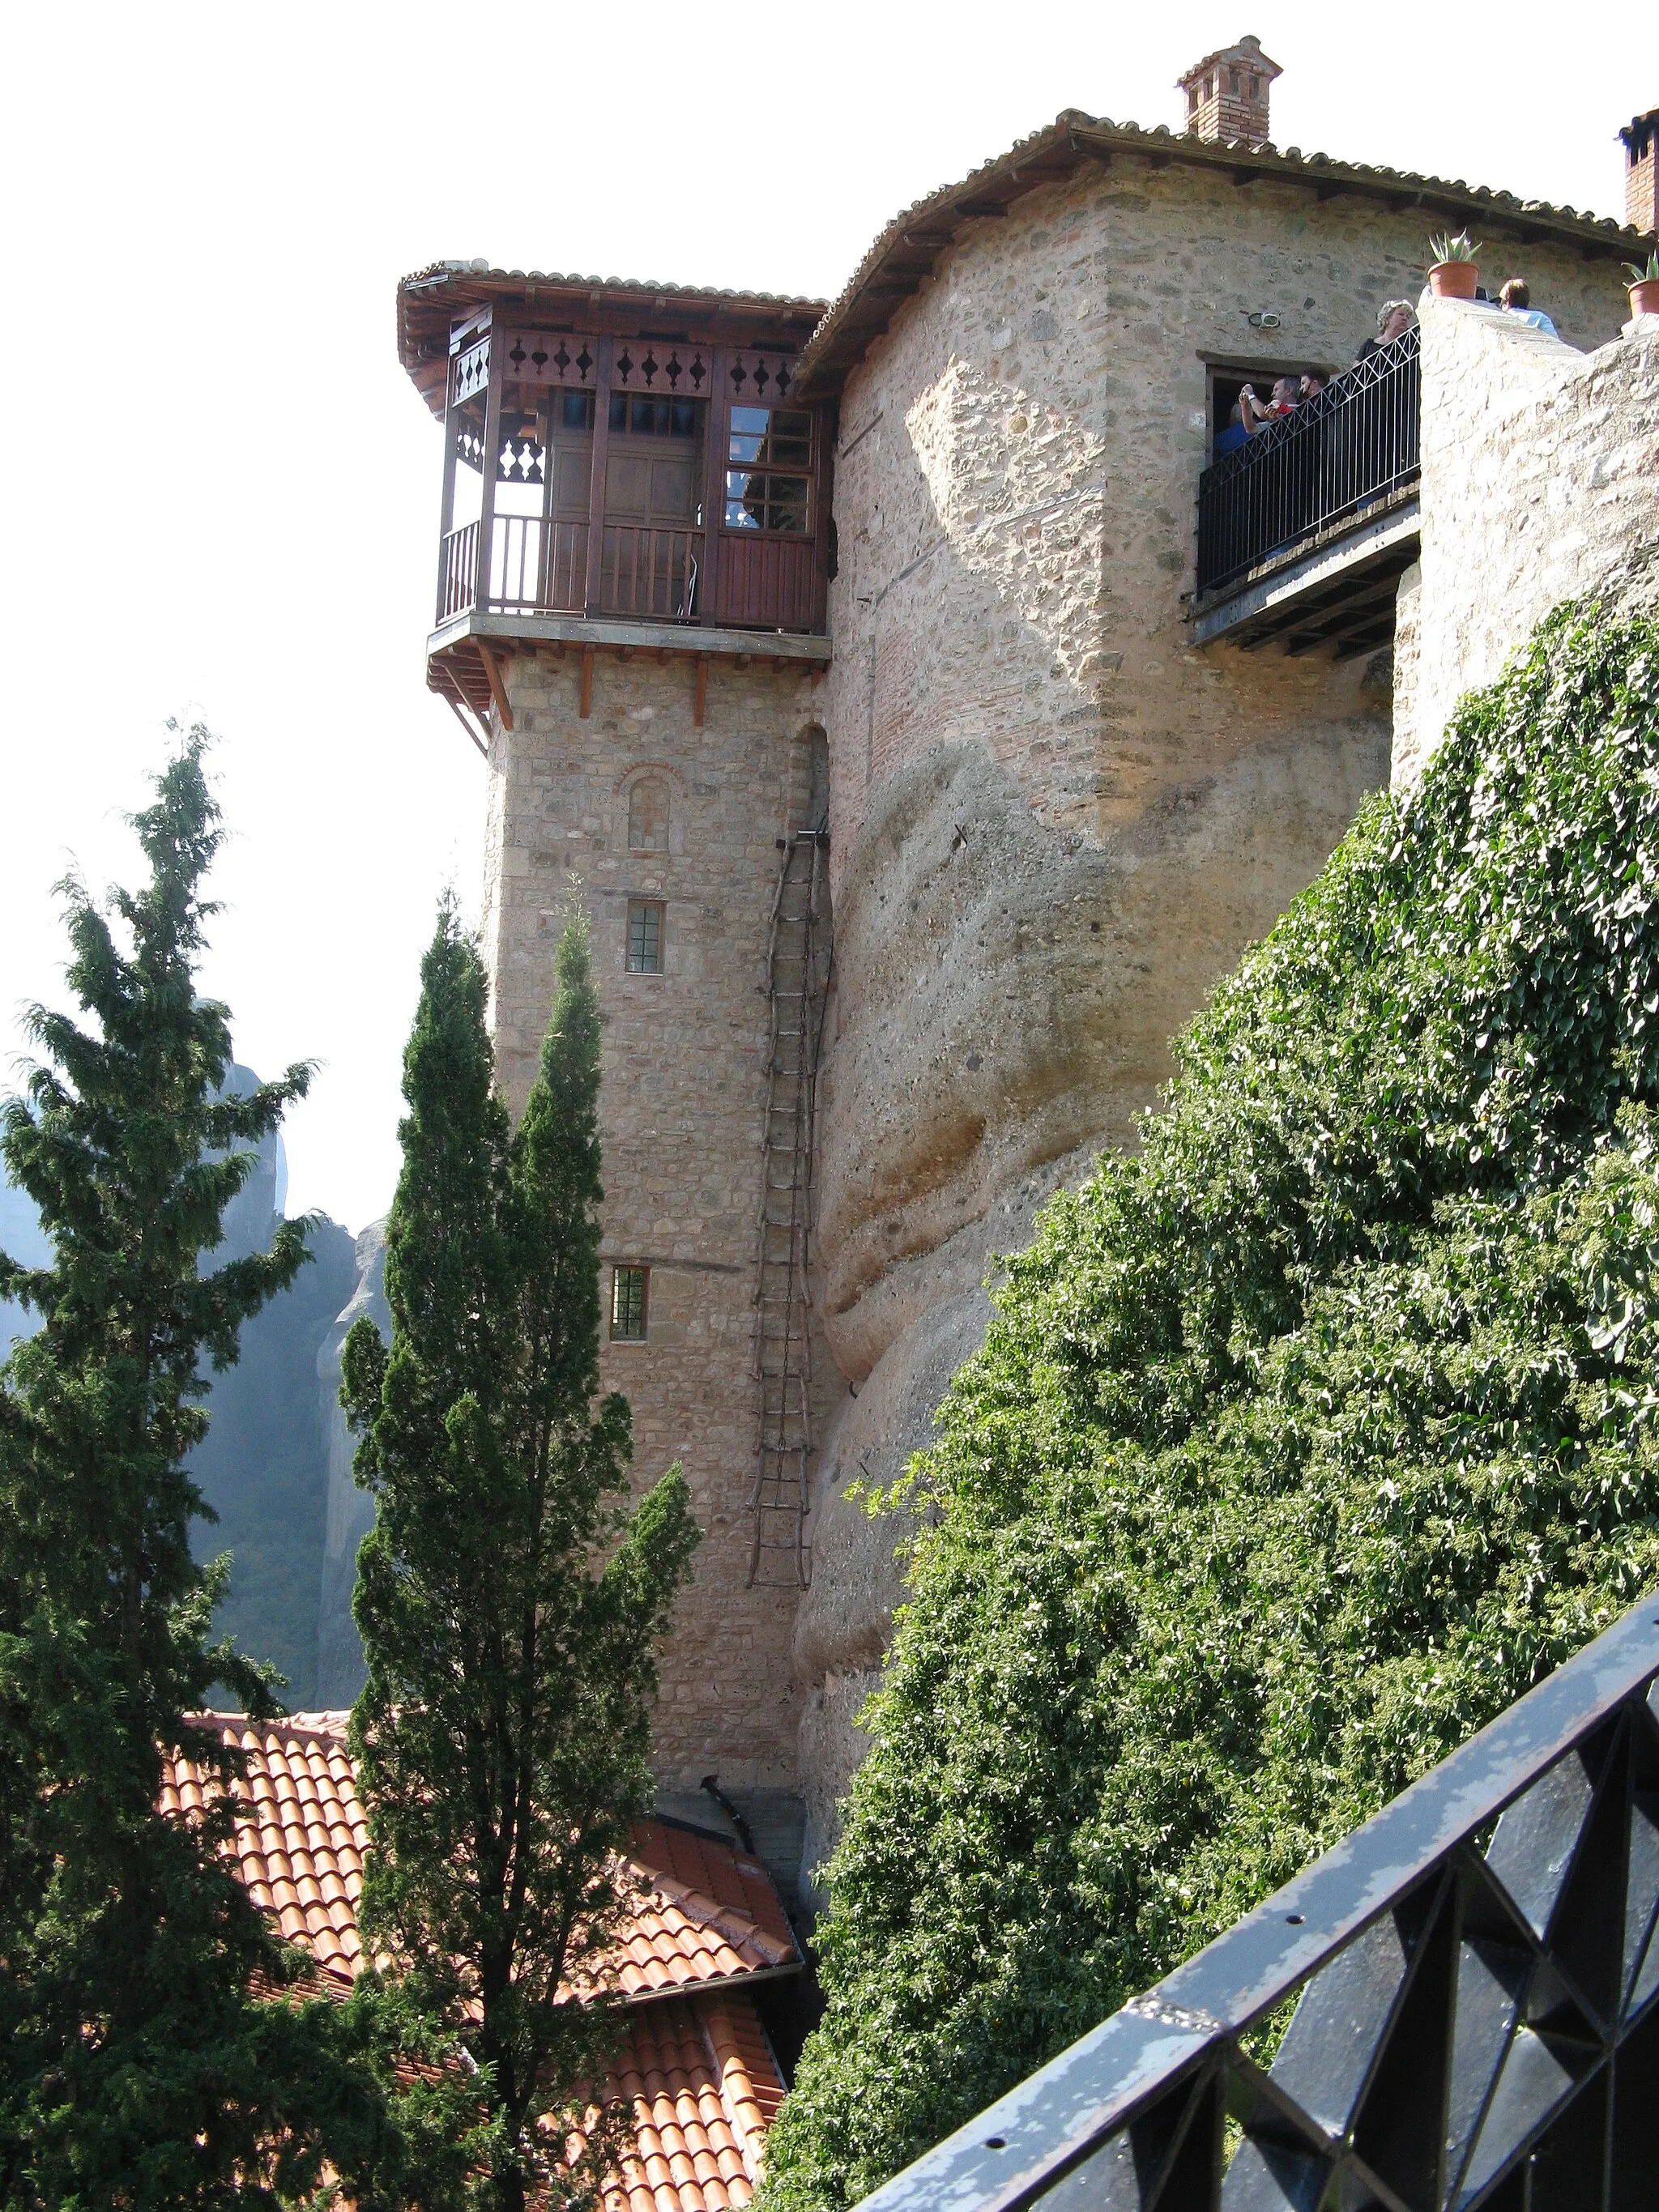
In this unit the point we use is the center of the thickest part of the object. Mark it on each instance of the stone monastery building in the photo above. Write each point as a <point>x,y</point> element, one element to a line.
<point>931,716</point>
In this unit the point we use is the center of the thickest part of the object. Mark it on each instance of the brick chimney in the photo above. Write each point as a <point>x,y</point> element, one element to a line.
<point>1641,139</point>
<point>1227,94</point>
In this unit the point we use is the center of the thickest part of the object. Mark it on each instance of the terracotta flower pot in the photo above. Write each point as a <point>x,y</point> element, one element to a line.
<point>1454,280</point>
<point>1645,298</point>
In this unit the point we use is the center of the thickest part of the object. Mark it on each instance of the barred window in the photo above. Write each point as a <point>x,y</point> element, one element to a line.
<point>628,1288</point>
<point>644,937</point>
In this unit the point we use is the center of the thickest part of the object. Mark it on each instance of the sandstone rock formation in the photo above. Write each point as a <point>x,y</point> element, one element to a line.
<point>350,1510</point>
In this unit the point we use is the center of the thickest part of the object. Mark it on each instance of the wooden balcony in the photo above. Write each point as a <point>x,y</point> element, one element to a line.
<point>650,487</point>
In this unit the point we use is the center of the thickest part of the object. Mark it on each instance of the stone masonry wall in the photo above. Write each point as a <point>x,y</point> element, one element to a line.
<point>681,1107</point>
<point>1541,483</point>
<point>1054,823</point>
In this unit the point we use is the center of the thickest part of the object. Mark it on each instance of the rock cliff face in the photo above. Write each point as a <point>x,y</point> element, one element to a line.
<point>350,1511</point>
<point>1055,824</point>
<point>262,1465</point>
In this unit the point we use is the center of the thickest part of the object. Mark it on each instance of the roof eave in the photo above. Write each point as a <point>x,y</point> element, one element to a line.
<point>907,252</point>
<point>446,289</point>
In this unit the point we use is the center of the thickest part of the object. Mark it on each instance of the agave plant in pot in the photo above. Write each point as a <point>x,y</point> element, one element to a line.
<point>1644,287</point>
<point>1453,272</point>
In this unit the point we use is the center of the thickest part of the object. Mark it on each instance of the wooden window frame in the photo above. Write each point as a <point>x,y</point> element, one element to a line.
<point>803,473</point>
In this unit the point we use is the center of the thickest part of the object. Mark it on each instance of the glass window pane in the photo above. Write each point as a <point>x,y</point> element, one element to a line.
<point>576,410</point>
<point>790,453</point>
<point>682,418</point>
<point>791,422</point>
<point>787,514</point>
<point>753,419</point>
<point>644,939</point>
<point>619,410</point>
<point>628,1302</point>
<point>745,495</point>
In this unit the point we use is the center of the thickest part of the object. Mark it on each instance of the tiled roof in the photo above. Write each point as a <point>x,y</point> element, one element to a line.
<point>301,1833</point>
<point>432,298</point>
<point>704,2086</point>
<point>695,2062</point>
<point>909,249</point>
<point>443,273</point>
<point>708,1913</point>
<point>704,1912</point>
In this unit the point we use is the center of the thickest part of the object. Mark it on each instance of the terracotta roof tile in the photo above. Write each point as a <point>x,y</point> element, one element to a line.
<point>702,1912</point>
<point>703,2084</point>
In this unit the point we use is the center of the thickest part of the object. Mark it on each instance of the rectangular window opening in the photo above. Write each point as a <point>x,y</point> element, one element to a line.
<point>629,1289</point>
<point>769,464</point>
<point>1227,379</point>
<point>645,935</point>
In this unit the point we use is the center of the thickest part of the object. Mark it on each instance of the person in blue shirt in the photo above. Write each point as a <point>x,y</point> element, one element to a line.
<point>1516,299</point>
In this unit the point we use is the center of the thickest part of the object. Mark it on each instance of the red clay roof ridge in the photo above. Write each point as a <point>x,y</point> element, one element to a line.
<point>440,272</point>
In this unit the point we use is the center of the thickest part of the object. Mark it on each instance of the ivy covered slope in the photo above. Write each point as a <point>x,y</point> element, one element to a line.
<point>1300,1444</point>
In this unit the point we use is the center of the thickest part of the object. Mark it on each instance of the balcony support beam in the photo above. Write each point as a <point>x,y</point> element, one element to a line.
<point>1281,600</point>
<point>497,688</point>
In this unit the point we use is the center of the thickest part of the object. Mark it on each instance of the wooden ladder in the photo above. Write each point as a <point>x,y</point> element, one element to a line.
<point>779,1554</point>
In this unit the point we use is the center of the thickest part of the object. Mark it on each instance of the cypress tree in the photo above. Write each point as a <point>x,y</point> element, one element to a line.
<point>134,2067</point>
<point>509,1598</point>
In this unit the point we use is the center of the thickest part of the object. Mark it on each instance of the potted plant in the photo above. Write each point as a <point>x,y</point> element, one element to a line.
<point>1453,272</point>
<point>1644,287</point>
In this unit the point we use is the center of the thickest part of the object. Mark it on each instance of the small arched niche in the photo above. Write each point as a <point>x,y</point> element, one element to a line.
<point>817,778</point>
<point>647,815</point>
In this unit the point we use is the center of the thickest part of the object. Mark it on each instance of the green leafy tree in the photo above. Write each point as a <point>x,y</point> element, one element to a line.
<point>136,2070</point>
<point>1302,1442</point>
<point>510,1600</point>
<point>159,2048</point>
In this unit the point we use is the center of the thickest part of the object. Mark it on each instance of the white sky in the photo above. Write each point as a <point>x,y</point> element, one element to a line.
<point>224,499</point>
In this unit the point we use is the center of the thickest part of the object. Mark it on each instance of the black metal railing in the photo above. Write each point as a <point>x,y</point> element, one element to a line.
<point>1337,455</point>
<point>1477,2023</point>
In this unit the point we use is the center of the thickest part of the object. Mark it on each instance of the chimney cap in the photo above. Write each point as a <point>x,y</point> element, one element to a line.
<point>1247,52</point>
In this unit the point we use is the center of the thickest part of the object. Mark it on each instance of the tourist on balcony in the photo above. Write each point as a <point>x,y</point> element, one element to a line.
<point>1394,319</point>
<point>1516,299</point>
<point>1312,384</point>
<point>1255,414</point>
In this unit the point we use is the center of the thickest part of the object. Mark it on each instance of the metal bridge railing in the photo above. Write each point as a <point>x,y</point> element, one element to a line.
<point>1477,2023</point>
<point>1354,444</point>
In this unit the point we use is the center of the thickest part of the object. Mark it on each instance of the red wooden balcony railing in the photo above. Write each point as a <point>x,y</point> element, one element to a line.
<point>651,573</point>
<point>457,575</point>
<point>645,572</point>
